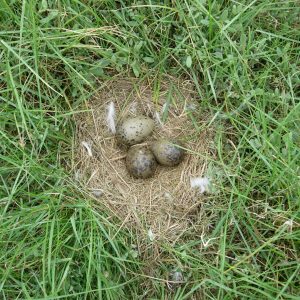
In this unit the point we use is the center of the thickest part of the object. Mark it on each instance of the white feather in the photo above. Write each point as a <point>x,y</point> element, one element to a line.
<point>133,107</point>
<point>111,115</point>
<point>206,243</point>
<point>289,224</point>
<point>88,148</point>
<point>164,107</point>
<point>97,193</point>
<point>157,118</point>
<point>151,235</point>
<point>177,277</point>
<point>77,175</point>
<point>200,182</point>
<point>190,107</point>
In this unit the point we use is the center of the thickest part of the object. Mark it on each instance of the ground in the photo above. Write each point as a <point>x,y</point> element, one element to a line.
<point>231,68</point>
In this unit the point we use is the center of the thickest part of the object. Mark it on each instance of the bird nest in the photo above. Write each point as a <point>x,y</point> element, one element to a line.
<point>165,206</point>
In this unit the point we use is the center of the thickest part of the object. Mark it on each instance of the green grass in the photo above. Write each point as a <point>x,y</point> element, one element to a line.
<point>243,58</point>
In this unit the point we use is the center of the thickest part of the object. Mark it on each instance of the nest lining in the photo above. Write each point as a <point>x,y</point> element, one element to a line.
<point>165,204</point>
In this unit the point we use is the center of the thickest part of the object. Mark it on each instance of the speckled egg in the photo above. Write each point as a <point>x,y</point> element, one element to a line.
<point>134,130</point>
<point>140,162</point>
<point>167,152</point>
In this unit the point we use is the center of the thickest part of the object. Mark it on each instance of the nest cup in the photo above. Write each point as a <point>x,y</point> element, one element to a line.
<point>164,203</point>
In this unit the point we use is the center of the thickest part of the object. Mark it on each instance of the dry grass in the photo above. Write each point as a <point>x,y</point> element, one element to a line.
<point>165,203</point>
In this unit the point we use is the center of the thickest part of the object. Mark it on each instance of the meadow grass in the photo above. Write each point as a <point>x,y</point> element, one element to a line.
<point>243,58</point>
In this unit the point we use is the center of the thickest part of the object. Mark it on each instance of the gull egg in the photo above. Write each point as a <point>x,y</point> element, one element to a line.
<point>140,162</point>
<point>167,152</point>
<point>134,130</point>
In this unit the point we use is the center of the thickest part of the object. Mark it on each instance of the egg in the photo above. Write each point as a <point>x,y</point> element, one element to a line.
<point>167,152</point>
<point>140,162</point>
<point>134,130</point>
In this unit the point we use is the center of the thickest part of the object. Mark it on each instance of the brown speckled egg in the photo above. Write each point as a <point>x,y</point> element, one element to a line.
<point>140,162</point>
<point>167,152</point>
<point>134,130</point>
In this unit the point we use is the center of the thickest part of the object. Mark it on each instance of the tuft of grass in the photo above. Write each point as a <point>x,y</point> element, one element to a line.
<point>243,58</point>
